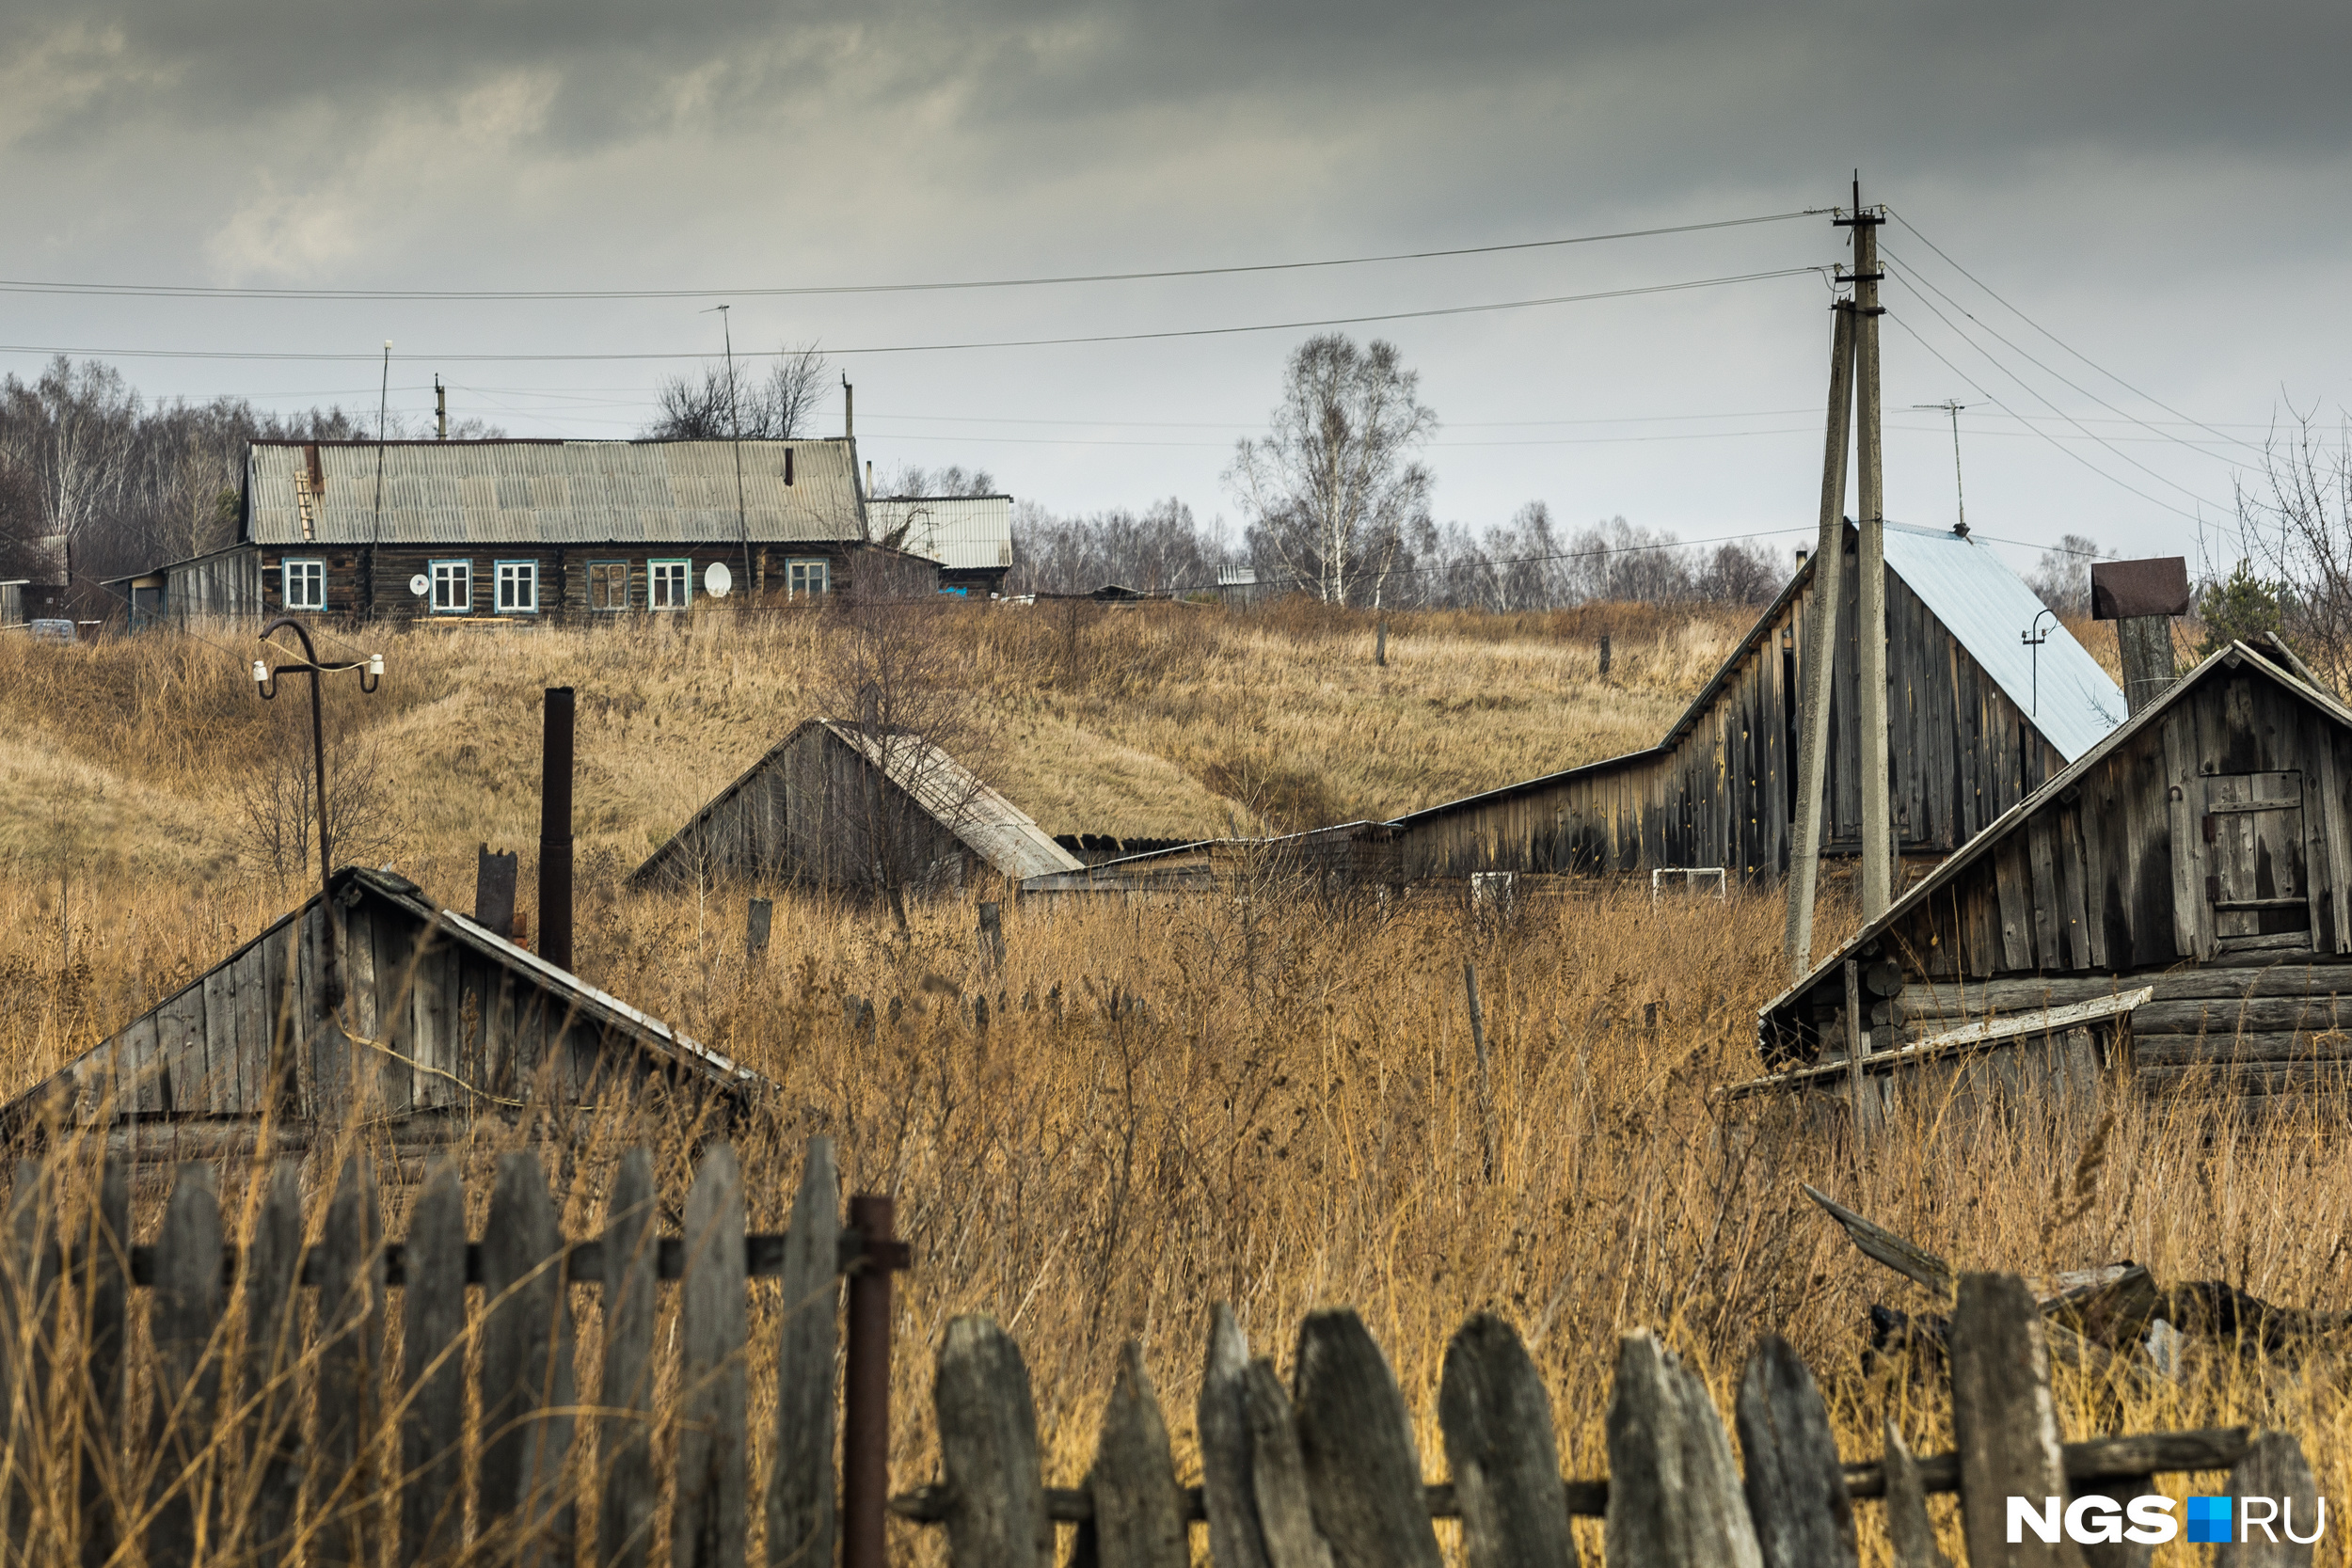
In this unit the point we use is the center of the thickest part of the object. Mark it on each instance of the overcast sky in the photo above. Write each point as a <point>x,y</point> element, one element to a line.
<point>2163,187</point>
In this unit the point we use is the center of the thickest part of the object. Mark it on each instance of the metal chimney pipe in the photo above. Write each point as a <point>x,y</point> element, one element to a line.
<point>556,831</point>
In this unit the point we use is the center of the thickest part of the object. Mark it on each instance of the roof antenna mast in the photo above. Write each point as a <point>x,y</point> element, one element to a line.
<point>735,422</point>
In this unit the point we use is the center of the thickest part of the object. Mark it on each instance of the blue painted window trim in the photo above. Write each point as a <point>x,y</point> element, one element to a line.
<point>433,592</point>
<point>285,565</point>
<point>498,589</point>
<point>686,577</point>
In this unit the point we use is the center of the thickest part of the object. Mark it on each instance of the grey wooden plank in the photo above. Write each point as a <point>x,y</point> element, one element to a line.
<point>329,1054</point>
<point>1674,1494</point>
<point>1909,1530</point>
<point>2328,814</point>
<point>1500,1450</point>
<point>177,1021</point>
<point>1222,1420</point>
<point>431,1024</point>
<point>626,1517</point>
<point>1363,1471</point>
<point>1139,1509</point>
<point>433,1370</point>
<point>100,1088</point>
<point>527,1388</point>
<point>2003,1419</point>
<point>1277,1474</point>
<point>344,1493</point>
<point>268,1483</point>
<point>390,1074</point>
<point>711,1523</point>
<point>2273,1472</point>
<point>1795,1486</point>
<point>184,1309</point>
<point>2042,858</point>
<point>801,1482</point>
<point>2185,804</point>
<point>2011,882</point>
<point>102,1288</point>
<point>193,1074</point>
<point>391,957</point>
<point>281,1014</point>
<point>243,1089</point>
<point>988,1450</point>
<point>25,1304</point>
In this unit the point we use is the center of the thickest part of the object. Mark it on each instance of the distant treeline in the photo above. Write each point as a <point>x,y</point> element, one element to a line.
<point>130,483</point>
<point>1526,563</point>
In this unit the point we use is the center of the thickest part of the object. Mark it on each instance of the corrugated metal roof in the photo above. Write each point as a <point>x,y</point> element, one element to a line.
<point>554,492</point>
<point>1985,605</point>
<point>990,826</point>
<point>961,533</point>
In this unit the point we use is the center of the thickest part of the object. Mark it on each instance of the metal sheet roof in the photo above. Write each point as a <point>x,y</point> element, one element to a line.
<point>1985,606</point>
<point>553,492</point>
<point>961,533</point>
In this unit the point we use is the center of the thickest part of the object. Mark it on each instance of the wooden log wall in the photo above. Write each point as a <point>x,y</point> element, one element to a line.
<point>1718,790</point>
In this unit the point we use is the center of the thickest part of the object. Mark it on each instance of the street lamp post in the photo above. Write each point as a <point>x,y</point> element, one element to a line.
<point>265,677</point>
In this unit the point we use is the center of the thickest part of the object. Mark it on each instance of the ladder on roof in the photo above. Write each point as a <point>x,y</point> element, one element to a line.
<point>302,501</point>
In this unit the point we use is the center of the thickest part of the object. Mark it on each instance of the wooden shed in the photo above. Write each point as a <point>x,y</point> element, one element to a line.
<point>829,799</point>
<point>2176,902</point>
<point>443,1022</point>
<point>1977,720</point>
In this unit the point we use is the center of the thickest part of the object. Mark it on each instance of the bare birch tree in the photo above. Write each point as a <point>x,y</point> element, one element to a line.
<point>1333,484</point>
<point>2295,523</point>
<point>779,406</point>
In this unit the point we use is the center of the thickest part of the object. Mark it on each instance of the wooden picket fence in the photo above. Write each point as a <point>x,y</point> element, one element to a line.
<point>264,1419</point>
<point>1327,1475</point>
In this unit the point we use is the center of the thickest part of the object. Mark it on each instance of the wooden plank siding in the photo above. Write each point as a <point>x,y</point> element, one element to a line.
<point>2196,851</point>
<point>440,1025</point>
<point>1719,790</point>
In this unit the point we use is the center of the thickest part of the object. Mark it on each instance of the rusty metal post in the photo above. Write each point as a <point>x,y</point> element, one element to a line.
<point>865,1384</point>
<point>556,831</point>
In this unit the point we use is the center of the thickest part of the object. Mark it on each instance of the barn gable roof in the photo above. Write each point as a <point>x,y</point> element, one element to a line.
<point>96,1073</point>
<point>2238,655</point>
<point>989,825</point>
<point>1980,601</point>
<point>552,492</point>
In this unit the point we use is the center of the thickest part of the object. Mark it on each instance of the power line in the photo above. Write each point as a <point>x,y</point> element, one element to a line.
<point>197,291</point>
<point>945,348</point>
<point>2054,337</point>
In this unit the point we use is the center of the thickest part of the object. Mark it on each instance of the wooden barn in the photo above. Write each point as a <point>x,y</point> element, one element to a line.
<point>829,800</point>
<point>2175,904</point>
<point>454,532</point>
<point>1977,720</point>
<point>442,1024</point>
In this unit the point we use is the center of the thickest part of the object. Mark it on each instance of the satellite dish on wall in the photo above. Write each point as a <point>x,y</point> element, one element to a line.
<point>419,585</point>
<point>717,580</point>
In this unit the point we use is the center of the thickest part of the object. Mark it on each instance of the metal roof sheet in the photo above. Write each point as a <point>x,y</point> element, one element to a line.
<point>1985,606</point>
<point>961,533</point>
<point>554,492</point>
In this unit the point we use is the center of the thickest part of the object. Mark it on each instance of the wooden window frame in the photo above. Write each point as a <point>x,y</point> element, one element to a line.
<point>288,567</point>
<point>499,570</point>
<point>685,582</point>
<point>800,568</point>
<point>593,567</point>
<point>433,598</point>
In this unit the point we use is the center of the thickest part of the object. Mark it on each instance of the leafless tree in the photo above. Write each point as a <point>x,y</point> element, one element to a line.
<point>778,406</point>
<point>1333,484</point>
<point>69,432</point>
<point>278,800</point>
<point>893,684</point>
<point>2061,579</point>
<point>913,478</point>
<point>2295,523</point>
<point>1159,549</point>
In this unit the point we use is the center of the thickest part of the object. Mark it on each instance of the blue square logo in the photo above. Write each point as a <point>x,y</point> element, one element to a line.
<point>2209,1519</point>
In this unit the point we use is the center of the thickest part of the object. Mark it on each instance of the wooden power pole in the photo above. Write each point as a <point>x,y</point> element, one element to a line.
<point>1818,659</point>
<point>1878,827</point>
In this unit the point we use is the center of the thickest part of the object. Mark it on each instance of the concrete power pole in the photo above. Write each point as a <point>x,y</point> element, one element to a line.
<point>1818,655</point>
<point>1878,827</point>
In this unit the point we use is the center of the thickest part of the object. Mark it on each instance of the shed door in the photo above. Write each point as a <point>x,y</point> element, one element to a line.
<point>2255,882</point>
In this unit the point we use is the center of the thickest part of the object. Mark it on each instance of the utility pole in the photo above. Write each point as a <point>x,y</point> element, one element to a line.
<point>1818,660</point>
<point>440,410</point>
<point>735,426</point>
<point>382,406</point>
<point>1877,849</point>
<point>1959,494</point>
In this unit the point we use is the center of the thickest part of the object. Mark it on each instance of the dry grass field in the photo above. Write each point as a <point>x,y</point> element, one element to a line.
<point>1266,1102</point>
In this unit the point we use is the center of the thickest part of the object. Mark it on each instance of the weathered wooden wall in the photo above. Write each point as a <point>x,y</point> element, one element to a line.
<point>803,816</point>
<point>443,1030</point>
<point>1719,790</point>
<point>227,583</point>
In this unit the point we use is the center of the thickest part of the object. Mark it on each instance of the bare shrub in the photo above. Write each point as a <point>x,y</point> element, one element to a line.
<point>277,803</point>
